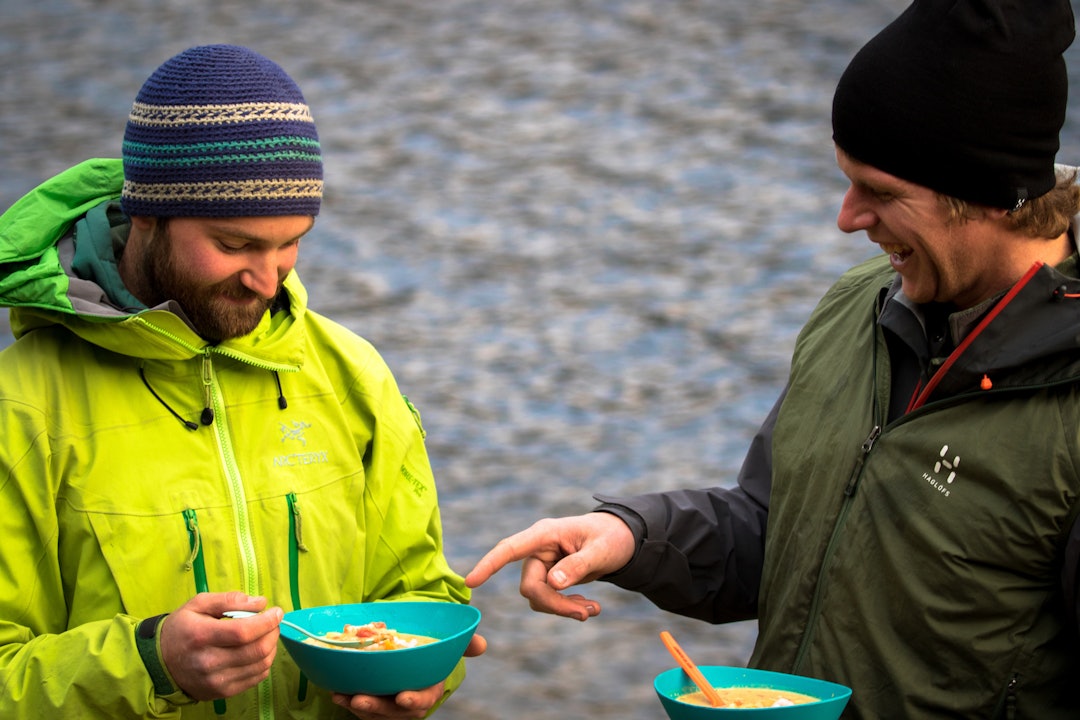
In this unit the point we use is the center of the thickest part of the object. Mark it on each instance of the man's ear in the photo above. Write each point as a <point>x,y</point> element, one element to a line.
<point>142,223</point>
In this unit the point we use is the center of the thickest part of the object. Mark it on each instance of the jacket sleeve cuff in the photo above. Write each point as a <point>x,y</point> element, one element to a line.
<point>633,521</point>
<point>148,642</point>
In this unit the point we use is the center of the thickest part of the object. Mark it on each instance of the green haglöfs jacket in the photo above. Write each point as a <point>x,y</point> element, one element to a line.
<point>919,560</point>
<point>114,511</point>
<point>928,561</point>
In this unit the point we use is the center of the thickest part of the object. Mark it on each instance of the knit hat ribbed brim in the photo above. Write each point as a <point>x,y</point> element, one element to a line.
<point>221,131</point>
<point>966,97</point>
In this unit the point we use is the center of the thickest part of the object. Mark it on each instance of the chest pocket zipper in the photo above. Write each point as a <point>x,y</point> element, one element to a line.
<point>196,563</point>
<point>195,559</point>
<point>296,545</point>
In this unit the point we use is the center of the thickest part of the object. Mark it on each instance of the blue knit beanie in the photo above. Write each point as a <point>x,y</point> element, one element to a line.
<point>221,131</point>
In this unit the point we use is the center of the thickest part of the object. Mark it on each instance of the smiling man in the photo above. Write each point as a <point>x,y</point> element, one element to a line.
<point>907,520</point>
<point>944,257</point>
<point>165,363</point>
<point>225,273</point>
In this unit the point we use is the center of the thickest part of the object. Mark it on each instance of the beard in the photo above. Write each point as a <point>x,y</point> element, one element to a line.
<point>217,311</point>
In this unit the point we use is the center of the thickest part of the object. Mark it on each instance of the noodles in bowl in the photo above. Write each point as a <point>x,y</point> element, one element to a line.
<point>390,669</point>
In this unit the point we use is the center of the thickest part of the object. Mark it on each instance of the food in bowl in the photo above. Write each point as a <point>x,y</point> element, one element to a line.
<point>673,685</point>
<point>350,672</point>
<point>375,635</point>
<point>748,697</point>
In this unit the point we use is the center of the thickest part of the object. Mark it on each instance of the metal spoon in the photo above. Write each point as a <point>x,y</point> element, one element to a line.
<point>358,643</point>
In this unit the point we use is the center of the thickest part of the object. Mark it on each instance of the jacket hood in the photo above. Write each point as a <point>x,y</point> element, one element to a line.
<point>30,270</point>
<point>37,283</point>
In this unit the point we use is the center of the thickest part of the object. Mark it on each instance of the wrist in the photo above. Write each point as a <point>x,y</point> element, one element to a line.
<point>148,643</point>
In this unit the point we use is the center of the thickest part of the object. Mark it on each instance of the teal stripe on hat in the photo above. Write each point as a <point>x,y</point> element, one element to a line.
<point>223,159</point>
<point>164,149</point>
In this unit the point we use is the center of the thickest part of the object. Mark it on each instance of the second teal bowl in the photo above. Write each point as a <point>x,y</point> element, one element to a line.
<point>670,684</point>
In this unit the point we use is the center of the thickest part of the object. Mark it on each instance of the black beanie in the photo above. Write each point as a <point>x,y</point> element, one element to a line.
<point>965,97</point>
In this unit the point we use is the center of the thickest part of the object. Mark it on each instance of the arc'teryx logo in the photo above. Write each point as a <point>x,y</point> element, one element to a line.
<point>294,433</point>
<point>943,464</point>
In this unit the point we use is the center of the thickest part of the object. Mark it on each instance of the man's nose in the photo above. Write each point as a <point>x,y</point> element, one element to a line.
<point>855,212</point>
<point>262,276</point>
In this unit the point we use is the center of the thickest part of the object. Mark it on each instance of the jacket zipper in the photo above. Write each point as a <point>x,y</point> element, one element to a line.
<point>849,491</point>
<point>235,484</point>
<point>856,473</point>
<point>1006,709</point>
<point>238,500</point>
<point>850,488</point>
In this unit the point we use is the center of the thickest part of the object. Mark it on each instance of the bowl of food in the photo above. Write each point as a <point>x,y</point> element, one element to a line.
<point>407,645</point>
<point>745,692</point>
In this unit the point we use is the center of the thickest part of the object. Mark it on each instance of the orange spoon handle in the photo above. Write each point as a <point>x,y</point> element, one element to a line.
<point>691,669</point>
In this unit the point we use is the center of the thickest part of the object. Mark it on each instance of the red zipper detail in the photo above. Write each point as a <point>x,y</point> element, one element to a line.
<point>914,396</point>
<point>955,354</point>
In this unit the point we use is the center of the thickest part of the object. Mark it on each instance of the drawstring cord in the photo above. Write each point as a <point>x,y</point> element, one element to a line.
<point>1059,294</point>
<point>187,423</point>
<point>281,403</point>
<point>207,416</point>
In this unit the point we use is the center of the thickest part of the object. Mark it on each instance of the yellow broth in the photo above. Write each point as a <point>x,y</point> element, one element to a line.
<point>748,697</point>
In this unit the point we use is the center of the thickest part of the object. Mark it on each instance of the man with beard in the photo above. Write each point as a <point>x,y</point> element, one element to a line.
<point>182,435</point>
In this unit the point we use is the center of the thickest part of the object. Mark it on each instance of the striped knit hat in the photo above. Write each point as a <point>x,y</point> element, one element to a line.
<point>221,131</point>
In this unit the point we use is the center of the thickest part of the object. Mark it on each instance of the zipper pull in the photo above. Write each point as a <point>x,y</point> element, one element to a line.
<point>298,534</point>
<point>193,537</point>
<point>868,443</point>
<point>867,446</point>
<point>207,417</point>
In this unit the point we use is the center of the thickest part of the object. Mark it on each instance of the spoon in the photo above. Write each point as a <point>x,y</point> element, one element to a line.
<point>691,669</point>
<point>358,643</point>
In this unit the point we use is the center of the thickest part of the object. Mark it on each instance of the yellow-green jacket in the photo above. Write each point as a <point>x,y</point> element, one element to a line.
<point>311,485</point>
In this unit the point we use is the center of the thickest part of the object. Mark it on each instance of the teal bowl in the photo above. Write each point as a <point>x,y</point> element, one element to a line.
<point>382,672</point>
<point>670,684</point>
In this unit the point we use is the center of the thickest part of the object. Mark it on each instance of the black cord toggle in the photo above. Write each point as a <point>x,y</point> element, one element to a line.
<point>187,423</point>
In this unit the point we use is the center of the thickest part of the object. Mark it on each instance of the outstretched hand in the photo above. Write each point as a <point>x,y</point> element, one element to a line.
<point>210,657</point>
<point>560,553</point>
